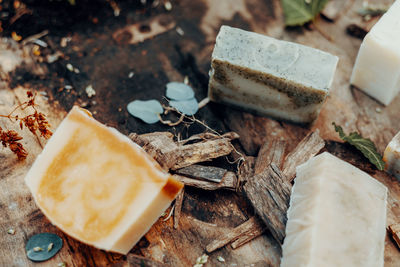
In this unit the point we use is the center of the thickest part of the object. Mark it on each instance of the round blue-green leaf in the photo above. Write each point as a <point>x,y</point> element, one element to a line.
<point>179,91</point>
<point>187,107</point>
<point>147,110</point>
<point>44,246</point>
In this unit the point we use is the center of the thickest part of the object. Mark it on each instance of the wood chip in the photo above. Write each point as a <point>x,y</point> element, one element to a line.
<point>269,193</point>
<point>306,149</point>
<point>234,234</point>
<point>394,230</point>
<point>246,170</point>
<point>203,151</point>
<point>159,145</point>
<point>246,236</point>
<point>272,151</point>
<point>178,207</point>
<point>213,174</point>
<point>228,182</point>
<point>170,155</point>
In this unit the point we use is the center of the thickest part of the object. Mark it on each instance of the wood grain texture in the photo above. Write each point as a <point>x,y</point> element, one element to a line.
<point>306,149</point>
<point>269,193</point>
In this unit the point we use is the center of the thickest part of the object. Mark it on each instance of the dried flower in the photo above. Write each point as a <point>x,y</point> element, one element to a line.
<point>34,122</point>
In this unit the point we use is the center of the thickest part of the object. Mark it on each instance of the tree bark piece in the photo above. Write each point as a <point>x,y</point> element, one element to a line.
<point>178,207</point>
<point>269,193</point>
<point>306,149</point>
<point>229,181</point>
<point>272,151</point>
<point>203,151</point>
<point>394,230</point>
<point>233,235</point>
<point>136,260</point>
<point>246,170</point>
<point>213,174</point>
<point>160,146</point>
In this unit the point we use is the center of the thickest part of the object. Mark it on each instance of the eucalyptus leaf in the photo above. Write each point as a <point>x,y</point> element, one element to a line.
<point>147,110</point>
<point>187,107</point>
<point>364,145</point>
<point>37,247</point>
<point>298,12</point>
<point>179,91</point>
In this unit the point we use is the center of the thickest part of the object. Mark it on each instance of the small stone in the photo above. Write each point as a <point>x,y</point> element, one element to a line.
<point>70,67</point>
<point>378,110</point>
<point>220,259</point>
<point>11,231</point>
<point>168,6</point>
<point>90,91</point>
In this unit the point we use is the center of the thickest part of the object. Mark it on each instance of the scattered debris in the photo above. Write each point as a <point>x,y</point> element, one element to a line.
<point>36,37</point>
<point>135,33</point>
<point>64,41</point>
<point>201,260</point>
<point>306,149</point>
<point>51,58</point>
<point>16,37</point>
<point>220,259</point>
<point>131,74</point>
<point>378,110</point>
<point>61,264</point>
<point>180,32</point>
<point>168,5</point>
<point>90,91</point>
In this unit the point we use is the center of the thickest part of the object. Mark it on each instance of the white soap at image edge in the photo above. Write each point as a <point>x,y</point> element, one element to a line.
<point>377,67</point>
<point>336,217</point>
<point>391,156</point>
<point>271,77</point>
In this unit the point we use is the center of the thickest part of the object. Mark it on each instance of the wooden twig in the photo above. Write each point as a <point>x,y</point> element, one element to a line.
<point>178,207</point>
<point>394,230</point>
<point>233,235</point>
<point>272,151</point>
<point>228,182</point>
<point>246,236</point>
<point>269,193</point>
<point>213,174</point>
<point>306,149</point>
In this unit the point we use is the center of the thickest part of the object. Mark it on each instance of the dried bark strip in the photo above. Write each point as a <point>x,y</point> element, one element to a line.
<point>178,207</point>
<point>159,145</point>
<point>213,174</point>
<point>203,151</point>
<point>170,155</point>
<point>269,193</point>
<point>228,182</point>
<point>394,230</point>
<point>306,149</point>
<point>233,235</point>
<point>247,236</point>
<point>246,170</point>
<point>272,151</point>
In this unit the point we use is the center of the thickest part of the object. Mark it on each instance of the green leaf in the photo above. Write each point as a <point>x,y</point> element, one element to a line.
<point>298,12</point>
<point>365,145</point>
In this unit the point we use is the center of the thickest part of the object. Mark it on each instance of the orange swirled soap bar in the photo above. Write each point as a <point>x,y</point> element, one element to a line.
<point>98,186</point>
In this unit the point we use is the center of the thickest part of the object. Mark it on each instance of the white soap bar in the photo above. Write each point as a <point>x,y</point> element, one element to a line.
<point>391,156</point>
<point>98,186</point>
<point>377,67</point>
<point>272,77</point>
<point>337,216</point>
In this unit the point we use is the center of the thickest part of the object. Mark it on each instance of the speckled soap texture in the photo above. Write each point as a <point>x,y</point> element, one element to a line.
<point>271,77</point>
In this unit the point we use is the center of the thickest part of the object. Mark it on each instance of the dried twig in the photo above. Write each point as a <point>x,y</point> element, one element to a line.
<point>233,234</point>
<point>178,207</point>
<point>227,182</point>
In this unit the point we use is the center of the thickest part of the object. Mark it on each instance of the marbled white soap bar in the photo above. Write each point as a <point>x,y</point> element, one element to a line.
<point>272,77</point>
<point>377,67</point>
<point>337,216</point>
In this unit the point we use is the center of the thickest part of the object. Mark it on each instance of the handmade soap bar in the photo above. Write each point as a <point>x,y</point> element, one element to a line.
<point>391,156</point>
<point>337,216</point>
<point>377,67</point>
<point>272,77</point>
<point>98,186</point>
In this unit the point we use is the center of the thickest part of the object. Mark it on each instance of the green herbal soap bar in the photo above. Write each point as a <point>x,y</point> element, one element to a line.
<point>272,77</point>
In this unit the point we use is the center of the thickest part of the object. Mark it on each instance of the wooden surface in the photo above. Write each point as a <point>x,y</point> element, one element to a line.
<point>105,61</point>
